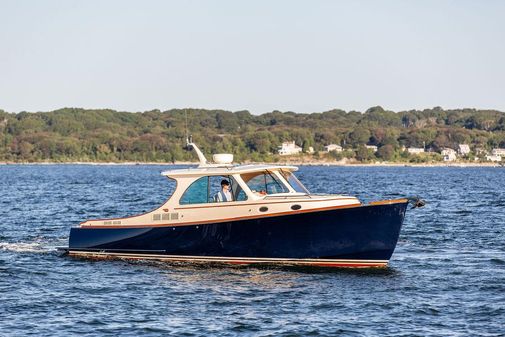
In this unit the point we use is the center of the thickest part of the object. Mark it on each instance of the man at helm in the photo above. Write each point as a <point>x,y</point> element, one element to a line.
<point>224,194</point>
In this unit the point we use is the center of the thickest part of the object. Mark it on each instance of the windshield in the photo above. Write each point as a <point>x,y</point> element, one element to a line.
<point>294,182</point>
<point>263,183</point>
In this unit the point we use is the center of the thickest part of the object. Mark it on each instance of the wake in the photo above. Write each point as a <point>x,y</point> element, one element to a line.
<point>25,247</point>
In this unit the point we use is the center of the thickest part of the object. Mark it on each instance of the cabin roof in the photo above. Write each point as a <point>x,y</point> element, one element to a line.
<point>224,170</point>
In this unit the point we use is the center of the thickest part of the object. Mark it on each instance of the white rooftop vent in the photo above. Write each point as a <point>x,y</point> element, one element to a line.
<point>222,158</point>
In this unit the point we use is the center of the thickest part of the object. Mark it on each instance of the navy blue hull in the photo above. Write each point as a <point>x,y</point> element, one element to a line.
<point>361,233</point>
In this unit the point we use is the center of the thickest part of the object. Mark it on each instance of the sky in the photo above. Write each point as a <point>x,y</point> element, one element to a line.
<point>302,56</point>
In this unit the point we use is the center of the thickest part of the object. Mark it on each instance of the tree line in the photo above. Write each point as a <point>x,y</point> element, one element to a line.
<point>74,134</point>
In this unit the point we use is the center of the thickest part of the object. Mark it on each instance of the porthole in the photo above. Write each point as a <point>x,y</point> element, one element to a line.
<point>263,209</point>
<point>295,207</point>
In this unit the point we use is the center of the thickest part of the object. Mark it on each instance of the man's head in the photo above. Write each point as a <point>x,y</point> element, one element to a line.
<point>225,185</point>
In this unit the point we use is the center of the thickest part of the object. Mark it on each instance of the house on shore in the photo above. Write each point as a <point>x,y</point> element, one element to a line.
<point>480,150</point>
<point>371,147</point>
<point>498,152</point>
<point>289,148</point>
<point>493,157</point>
<point>448,154</point>
<point>333,147</point>
<point>415,150</point>
<point>463,149</point>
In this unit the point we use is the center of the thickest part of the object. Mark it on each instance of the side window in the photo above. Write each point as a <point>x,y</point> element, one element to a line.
<point>294,182</point>
<point>274,186</point>
<point>196,193</point>
<point>257,184</point>
<point>241,196</point>
<point>205,189</point>
<point>238,192</point>
<point>265,183</point>
<point>235,190</point>
<point>215,186</point>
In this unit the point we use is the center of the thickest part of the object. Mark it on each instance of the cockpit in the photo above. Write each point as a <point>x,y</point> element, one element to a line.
<point>242,187</point>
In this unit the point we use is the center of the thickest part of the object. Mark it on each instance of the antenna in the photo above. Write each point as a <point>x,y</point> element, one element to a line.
<point>187,136</point>
<point>191,145</point>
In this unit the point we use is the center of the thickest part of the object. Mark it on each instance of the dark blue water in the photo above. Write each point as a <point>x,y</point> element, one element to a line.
<point>446,278</point>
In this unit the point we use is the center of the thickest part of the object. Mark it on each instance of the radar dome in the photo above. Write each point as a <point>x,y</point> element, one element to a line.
<point>223,158</point>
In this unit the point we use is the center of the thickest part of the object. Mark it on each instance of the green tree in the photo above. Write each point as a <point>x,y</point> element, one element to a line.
<point>386,152</point>
<point>359,136</point>
<point>363,154</point>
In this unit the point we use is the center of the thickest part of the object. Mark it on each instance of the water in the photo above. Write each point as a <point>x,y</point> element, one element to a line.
<point>446,278</point>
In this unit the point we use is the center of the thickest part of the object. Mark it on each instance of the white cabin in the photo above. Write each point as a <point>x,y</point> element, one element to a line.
<point>256,190</point>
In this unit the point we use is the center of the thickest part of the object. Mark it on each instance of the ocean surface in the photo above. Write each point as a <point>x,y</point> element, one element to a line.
<point>446,277</point>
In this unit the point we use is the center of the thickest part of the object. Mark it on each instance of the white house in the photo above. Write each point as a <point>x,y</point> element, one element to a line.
<point>463,149</point>
<point>288,148</point>
<point>333,147</point>
<point>448,154</point>
<point>480,150</point>
<point>493,157</point>
<point>498,152</point>
<point>371,147</point>
<point>415,150</point>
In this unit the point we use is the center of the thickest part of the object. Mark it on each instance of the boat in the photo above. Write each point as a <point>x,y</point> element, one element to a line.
<point>268,217</point>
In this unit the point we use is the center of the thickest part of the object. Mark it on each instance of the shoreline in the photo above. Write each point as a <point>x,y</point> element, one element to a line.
<point>295,163</point>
